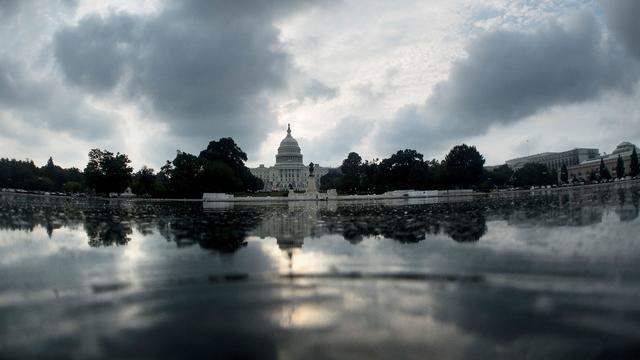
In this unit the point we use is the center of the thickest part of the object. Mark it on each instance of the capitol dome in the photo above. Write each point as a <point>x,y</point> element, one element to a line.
<point>289,150</point>
<point>624,147</point>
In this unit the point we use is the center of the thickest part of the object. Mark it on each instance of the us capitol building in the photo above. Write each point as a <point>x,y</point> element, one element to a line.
<point>289,171</point>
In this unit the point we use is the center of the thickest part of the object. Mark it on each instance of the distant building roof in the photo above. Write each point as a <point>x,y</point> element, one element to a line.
<point>624,147</point>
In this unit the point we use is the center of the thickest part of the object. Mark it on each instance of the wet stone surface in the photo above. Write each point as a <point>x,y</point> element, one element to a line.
<point>552,275</point>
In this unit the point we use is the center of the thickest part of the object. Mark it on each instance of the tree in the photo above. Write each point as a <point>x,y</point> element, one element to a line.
<point>501,175</point>
<point>144,181</point>
<point>370,177</point>
<point>49,170</point>
<point>106,172</point>
<point>464,166</point>
<point>162,186</point>
<point>217,176</point>
<point>72,187</point>
<point>54,173</point>
<point>533,174</point>
<point>331,180</point>
<point>604,172</point>
<point>564,174</point>
<point>93,172</point>
<point>405,169</point>
<point>226,151</point>
<point>619,167</point>
<point>553,176</point>
<point>21,174</point>
<point>351,165</point>
<point>42,183</point>
<point>437,174</point>
<point>184,176</point>
<point>634,168</point>
<point>351,169</point>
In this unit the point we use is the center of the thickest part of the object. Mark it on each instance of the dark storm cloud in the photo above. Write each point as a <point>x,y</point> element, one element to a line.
<point>623,19</point>
<point>9,92</point>
<point>203,67</point>
<point>32,99</point>
<point>43,104</point>
<point>94,52</point>
<point>8,8</point>
<point>508,76</point>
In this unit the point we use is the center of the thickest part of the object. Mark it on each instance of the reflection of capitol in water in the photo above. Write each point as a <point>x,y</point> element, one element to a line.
<point>291,224</point>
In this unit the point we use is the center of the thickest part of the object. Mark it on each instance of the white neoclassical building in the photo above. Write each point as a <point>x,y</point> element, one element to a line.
<point>289,170</point>
<point>583,170</point>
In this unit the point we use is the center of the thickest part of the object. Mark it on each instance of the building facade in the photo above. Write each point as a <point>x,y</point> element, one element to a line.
<point>289,172</point>
<point>583,170</point>
<point>555,160</point>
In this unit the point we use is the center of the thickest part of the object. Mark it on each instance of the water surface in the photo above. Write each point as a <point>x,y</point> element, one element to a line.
<point>512,276</point>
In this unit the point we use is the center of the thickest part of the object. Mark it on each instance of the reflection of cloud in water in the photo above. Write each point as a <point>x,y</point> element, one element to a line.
<point>554,278</point>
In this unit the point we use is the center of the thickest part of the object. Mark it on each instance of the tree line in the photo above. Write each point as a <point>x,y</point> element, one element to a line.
<point>407,169</point>
<point>221,168</point>
<point>462,168</point>
<point>24,174</point>
<point>218,168</point>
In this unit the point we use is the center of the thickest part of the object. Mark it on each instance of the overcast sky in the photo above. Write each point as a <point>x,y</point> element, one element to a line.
<point>149,77</point>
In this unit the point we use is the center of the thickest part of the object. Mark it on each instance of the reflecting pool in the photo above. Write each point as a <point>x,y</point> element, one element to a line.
<point>552,275</point>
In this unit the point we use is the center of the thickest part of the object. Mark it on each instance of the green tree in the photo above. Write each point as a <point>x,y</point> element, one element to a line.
<point>162,186</point>
<point>553,176</point>
<point>25,175</point>
<point>464,166</point>
<point>619,167</point>
<point>533,174</point>
<point>144,181</point>
<point>370,177</point>
<point>226,151</point>
<point>564,174</point>
<point>604,172</point>
<point>501,175</point>
<point>437,174</point>
<point>351,170</point>
<point>72,187</point>
<point>52,171</point>
<point>94,172</point>
<point>634,168</point>
<point>184,178</point>
<point>74,175</point>
<point>59,176</point>
<point>217,176</point>
<point>405,169</point>
<point>106,172</point>
<point>331,180</point>
<point>17,174</point>
<point>42,183</point>
<point>351,165</point>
